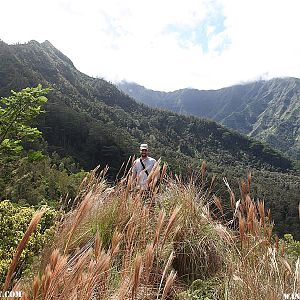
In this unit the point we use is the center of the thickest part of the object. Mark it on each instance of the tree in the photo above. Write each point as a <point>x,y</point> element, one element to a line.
<point>16,115</point>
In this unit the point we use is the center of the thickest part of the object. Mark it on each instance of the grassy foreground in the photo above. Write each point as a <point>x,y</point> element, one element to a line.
<point>173,242</point>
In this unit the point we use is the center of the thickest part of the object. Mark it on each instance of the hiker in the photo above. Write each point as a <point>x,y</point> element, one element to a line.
<point>142,167</point>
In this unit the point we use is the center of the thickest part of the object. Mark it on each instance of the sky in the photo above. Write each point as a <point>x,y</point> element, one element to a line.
<point>164,44</point>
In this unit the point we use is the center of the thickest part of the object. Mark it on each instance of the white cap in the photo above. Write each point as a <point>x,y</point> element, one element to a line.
<point>144,147</point>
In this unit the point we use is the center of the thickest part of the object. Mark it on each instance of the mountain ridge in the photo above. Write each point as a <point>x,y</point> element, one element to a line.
<point>250,108</point>
<point>82,92</point>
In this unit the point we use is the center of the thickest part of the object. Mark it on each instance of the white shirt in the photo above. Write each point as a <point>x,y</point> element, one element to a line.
<point>139,171</point>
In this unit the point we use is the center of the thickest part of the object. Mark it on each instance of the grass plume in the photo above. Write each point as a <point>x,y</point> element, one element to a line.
<point>22,244</point>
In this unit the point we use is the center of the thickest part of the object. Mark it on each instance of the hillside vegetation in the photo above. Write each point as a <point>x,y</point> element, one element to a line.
<point>265,110</point>
<point>96,123</point>
<point>90,121</point>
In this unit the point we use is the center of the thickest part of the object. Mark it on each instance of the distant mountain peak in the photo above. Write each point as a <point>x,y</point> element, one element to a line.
<point>47,47</point>
<point>33,42</point>
<point>48,44</point>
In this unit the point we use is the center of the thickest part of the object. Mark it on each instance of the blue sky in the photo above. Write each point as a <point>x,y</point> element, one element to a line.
<point>202,32</point>
<point>164,44</point>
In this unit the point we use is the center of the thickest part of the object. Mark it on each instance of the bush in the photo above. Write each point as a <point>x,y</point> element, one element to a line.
<point>292,247</point>
<point>14,220</point>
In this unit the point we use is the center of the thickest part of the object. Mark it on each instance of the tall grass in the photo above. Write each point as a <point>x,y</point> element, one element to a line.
<point>119,243</point>
<point>22,244</point>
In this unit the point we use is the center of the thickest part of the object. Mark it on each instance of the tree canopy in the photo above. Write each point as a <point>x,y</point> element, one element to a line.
<point>17,113</point>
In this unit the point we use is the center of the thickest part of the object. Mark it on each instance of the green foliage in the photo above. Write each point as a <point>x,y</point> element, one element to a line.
<point>292,247</point>
<point>16,115</point>
<point>201,290</point>
<point>38,179</point>
<point>10,147</point>
<point>104,224</point>
<point>14,220</point>
<point>35,155</point>
<point>28,175</point>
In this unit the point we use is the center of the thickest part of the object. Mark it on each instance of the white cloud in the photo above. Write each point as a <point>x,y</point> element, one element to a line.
<point>263,37</point>
<point>158,43</point>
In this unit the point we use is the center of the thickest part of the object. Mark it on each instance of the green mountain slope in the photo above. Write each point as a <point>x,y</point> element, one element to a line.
<point>265,110</point>
<point>93,121</point>
<point>86,115</point>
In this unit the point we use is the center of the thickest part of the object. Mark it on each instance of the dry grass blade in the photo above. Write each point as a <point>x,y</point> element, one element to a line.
<point>249,180</point>
<point>203,170</point>
<point>212,182</point>
<point>242,228</point>
<point>169,282</point>
<point>54,259</point>
<point>243,189</point>
<point>129,162</point>
<point>98,245</point>
<point>218,204</point>
<point>154,175</point>
<point>35,287</point>
<point>149,258</point>
<point>51,279</point>
<point>136,275</point>
<point>236,211</point>
<point>97,278</point>
<point>30,229</point>
<point>84,206</point>
<point>261,210</point>
<point>24,296</point>
<point>170,224</point>
<point>297,275</point>
<point>232,196</point>
<point>250,218</point>
<point>46,279</point>
<point>287,265</point>
<point>168,264</point>
<point>164,171</point>
<point>160,222</point>
<point>115,242</point>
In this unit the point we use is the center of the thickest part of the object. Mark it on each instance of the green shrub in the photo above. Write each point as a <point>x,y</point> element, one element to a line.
<point>201,290</point>
<point>14,220</point>
<point>292,247</point>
